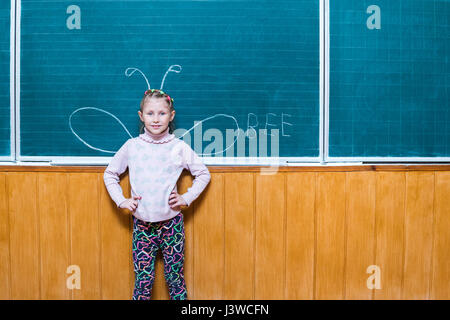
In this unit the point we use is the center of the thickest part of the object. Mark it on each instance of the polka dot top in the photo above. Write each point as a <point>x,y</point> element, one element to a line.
<point>155,163</point>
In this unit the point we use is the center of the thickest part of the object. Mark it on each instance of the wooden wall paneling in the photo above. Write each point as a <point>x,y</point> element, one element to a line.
<point>390,236</point>
<point>239,236</point>
<point>5,268</point>
<point>270,236</point>
<point>440,284</point>
<point>24,237</point>
<point>116,250</point>
<point>330,251</point>
<point>300,210</point>
<point>360,217</point>
<point>291,235</point>
<point>418,235</point>
<point>85,233</point>
<point>54,235</point>
<point>209,241</point>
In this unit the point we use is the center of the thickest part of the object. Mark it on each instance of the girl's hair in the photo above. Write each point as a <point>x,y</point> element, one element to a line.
<point>155,93</point>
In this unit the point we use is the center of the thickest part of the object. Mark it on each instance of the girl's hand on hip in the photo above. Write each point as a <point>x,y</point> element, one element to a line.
<point>131,203</point>
<point>176,201</point>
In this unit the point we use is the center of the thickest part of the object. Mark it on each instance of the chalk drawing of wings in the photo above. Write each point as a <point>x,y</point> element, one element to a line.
<point>129,72</point>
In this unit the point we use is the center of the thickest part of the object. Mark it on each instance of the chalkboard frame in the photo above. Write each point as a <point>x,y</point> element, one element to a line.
<point>83,160</point>
<point>12,31</point>
<point>362,160</point>
<point>323,158</point>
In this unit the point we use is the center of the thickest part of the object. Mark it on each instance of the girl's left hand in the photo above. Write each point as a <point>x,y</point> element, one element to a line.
<point>176,201</point>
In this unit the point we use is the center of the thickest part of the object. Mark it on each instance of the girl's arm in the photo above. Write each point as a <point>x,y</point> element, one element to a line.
<point>116,167</point>
<point>193,163</point>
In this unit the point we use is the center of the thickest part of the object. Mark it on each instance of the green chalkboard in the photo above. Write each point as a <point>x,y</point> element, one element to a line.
<point>5,106</point>
<point>228,64</point>
<point>389,78</point>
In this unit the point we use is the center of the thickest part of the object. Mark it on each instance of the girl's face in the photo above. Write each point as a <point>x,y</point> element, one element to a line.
<point>156,115</point>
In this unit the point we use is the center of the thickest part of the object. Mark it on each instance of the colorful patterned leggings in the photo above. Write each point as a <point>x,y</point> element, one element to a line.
<point>147,238</point>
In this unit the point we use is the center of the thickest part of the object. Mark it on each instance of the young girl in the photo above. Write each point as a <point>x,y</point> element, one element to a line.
<point>155,160</point>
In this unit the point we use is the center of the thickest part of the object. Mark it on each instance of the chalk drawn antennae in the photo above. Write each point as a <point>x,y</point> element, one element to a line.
<point>133,71</point>
<point>215,116</point>
<point>101,110</point>
<point>170,70</point>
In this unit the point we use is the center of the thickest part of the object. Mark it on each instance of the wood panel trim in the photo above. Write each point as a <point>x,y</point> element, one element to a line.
<point>225,169</point>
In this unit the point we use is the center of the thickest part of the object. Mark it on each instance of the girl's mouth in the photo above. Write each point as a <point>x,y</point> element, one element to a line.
<point>156,127</point>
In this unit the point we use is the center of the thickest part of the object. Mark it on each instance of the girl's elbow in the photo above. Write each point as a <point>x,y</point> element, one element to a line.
<point>207,177</point>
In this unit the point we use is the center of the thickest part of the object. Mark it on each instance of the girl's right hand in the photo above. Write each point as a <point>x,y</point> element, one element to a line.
<point>131,203</point>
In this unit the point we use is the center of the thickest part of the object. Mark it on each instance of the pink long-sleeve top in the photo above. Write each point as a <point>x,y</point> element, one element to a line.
<point>155,162</point>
